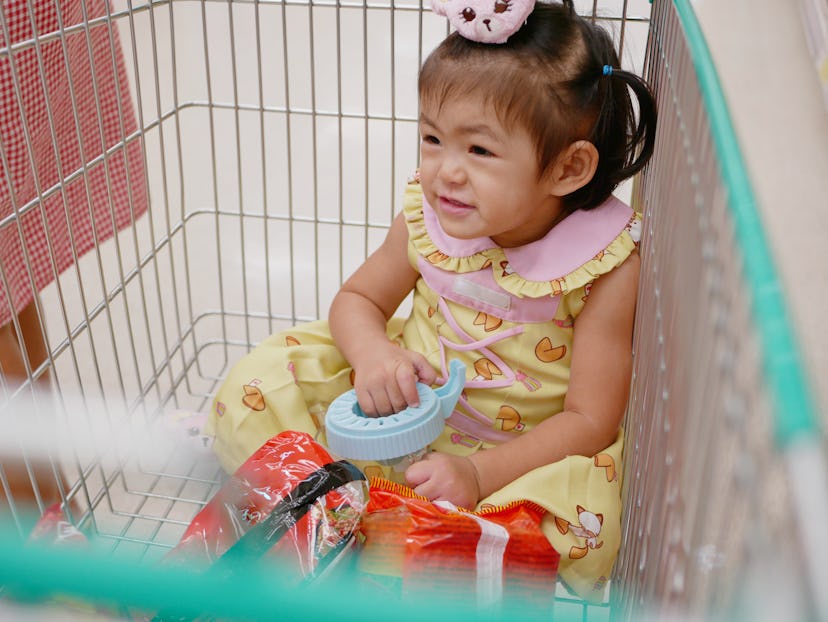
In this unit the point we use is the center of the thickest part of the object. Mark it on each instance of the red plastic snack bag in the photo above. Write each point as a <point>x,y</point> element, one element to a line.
<point>290,501</point>
<point>492,556</point>
<point>54,528</point>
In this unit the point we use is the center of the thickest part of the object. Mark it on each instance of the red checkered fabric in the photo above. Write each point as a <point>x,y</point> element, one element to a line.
<point>64,101</point>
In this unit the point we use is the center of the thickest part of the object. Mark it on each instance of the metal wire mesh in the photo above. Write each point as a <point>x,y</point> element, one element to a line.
<point>706,491</point>
<point>275,137</point>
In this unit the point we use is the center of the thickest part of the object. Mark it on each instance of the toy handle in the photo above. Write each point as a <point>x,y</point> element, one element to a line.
<point>449,393</point>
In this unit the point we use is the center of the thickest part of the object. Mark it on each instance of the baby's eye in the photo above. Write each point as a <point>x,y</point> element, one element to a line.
<point>481,151</point>
<point>501,6</point>
<point>428,138</point>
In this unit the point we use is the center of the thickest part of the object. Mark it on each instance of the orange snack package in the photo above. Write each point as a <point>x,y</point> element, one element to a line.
<point>496,555</point>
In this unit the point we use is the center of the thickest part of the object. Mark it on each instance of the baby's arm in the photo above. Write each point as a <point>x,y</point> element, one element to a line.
<point>385,375</point>
<point>594,405</point>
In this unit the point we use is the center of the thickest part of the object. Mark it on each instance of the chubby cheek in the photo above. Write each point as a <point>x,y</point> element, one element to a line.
<point>427,184</point>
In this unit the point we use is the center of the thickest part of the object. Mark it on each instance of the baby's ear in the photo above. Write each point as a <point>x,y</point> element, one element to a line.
<point>574,168</point>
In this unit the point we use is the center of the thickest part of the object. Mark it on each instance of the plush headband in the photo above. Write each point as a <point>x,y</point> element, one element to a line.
<point>485,21</point>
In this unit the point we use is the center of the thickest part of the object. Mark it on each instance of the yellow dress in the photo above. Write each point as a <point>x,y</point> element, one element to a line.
<point>508,314</point>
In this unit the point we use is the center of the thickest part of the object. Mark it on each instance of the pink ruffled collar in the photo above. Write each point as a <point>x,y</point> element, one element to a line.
<point>568,245</point>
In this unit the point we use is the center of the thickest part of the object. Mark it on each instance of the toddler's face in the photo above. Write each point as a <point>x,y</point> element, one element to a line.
<point>481,177</point>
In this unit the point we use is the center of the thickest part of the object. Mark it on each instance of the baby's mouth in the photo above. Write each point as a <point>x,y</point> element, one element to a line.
<point>455,209</point>
<point>453,203</point>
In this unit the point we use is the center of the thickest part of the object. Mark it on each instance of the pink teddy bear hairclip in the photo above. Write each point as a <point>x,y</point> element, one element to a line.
<point>485,21</point>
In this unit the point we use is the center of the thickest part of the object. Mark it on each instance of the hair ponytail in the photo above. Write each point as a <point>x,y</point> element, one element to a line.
<point>642,139</point>
<point>624,141</point>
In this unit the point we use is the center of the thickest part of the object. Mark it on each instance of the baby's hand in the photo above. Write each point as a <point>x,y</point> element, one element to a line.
<point>387,383</point>
<point>443,477</point>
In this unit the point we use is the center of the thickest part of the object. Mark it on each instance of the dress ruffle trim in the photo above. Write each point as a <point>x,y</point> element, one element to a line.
<point>612,256</point>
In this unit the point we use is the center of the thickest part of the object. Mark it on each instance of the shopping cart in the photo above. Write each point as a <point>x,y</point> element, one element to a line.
<point>275,137</point>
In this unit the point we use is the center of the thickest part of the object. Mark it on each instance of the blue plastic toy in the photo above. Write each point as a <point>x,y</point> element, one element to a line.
<point>355,436</point>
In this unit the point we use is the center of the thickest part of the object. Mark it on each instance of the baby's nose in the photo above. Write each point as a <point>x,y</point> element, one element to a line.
<point>452,170</point>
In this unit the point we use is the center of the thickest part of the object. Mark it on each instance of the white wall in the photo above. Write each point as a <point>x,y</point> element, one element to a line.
<point>781,120</point>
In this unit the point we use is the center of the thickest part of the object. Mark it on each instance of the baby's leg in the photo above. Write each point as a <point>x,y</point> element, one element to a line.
<point>12,359</point>
<point>285,383</point>
<point>37,480</point>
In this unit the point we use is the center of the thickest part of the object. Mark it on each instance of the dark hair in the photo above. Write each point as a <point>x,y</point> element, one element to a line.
<point>549,78</point>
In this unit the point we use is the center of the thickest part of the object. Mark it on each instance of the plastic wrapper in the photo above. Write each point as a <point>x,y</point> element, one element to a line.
<point>494,556</point>
<point>53,528</point>
<point>290,502</point>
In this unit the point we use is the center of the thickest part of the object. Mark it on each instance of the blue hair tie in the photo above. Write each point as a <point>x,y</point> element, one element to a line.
<point>607,70</point>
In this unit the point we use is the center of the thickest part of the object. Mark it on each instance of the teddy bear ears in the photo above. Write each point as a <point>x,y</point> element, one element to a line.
<point>485,21</point>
